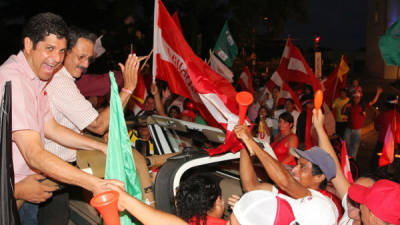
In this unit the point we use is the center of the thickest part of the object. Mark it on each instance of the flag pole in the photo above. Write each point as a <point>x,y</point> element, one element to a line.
<point>147,59</point>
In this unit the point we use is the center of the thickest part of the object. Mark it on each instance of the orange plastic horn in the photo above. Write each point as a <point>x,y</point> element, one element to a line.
<point>107,204</point>
<point>244,99</point>
<point>318,99</point>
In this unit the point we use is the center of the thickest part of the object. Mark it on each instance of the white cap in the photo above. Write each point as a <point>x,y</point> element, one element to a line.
<point>264,207</point>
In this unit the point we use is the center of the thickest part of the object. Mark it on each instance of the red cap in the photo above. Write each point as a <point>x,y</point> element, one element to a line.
<point>383,199</point>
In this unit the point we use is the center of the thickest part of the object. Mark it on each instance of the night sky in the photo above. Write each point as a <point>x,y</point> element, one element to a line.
<point>340,24</point>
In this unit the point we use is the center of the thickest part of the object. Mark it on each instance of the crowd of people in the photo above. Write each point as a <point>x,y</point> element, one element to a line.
<point>307,184</point>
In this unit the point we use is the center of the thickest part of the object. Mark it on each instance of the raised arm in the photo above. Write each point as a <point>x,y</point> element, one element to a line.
<point>157,99</point>
<point>378,93</point>
<point>129,73</point>
<point>340,182</point>
<point>275,169</point>
<point>248,176</point>
<point>144,213</point>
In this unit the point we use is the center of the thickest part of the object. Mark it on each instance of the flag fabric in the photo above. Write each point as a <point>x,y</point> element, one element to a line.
<point>188,75</point>
<point>335,81</point>
<point>226,48</point>
<point>295,68</point>
<point>120,164</point>
<point>392,137</point>
<point>220,67</point>
<point>387,156</point>
<point>8,208</point>
<point>345,163</point>
<point>246,80</point>
<point>277,78</point>
<point>139,95</point>
<point>175,17</point>
<point>389,44</point>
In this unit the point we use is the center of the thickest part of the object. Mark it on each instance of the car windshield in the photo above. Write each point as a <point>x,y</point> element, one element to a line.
<point>178,134</point>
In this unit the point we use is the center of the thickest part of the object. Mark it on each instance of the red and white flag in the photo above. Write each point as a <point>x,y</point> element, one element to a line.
<point>279,74</point>
<point>296,68</point>
<point>246,80</point>
<point>188,75</point>
<point>392,137</point>
<point>345,163</point>
<point>220,67</point>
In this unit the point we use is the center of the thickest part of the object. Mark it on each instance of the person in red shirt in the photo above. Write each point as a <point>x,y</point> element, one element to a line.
<point>199,201</point>
<point>285,140</point>
<point>356,113</point>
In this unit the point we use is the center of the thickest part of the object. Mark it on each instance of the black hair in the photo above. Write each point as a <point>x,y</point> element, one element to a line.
<point>286,116</point>
<point>174,107</point>
<point>42,25</point>
<point>74,33</point>
<point>289,100</point>
<point>316,170</point>
<point>195,197</point>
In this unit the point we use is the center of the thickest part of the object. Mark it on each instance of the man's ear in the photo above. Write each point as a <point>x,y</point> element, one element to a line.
<point>319,178</point>
<point>28,45</point>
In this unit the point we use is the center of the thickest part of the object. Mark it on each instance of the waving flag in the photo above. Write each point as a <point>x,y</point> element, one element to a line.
<point>120,164</point>
<point>295,68</point>
<point>226,48</point>
<point>345,163</point>
<point>175,17</point>
<point>188,75</point>
<point>220,67</point>
<point>392,137</point>
<point>335,81</point>
<point>246,80</point>
<point>277,78</point>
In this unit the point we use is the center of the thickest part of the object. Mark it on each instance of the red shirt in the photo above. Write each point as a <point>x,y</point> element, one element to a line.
<point>281,148</point>
<point>210,221</point>
<point>356,119</point>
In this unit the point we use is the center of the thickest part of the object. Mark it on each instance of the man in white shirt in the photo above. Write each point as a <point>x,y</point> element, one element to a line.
<point>72,110</point>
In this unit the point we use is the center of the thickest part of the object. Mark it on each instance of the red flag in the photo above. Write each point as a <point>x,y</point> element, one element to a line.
<point>335,81</point>
<point>188,75</point>
<point>387,156</point>
<point>246,80</point>
<point>295,67</point>
<point>175,17</point>
<point>140,93</point>
<point>345,163</point>
<point>392,136</point>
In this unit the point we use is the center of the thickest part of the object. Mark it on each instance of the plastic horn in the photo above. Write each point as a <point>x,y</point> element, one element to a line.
<point>107,205</point>
<point>244,99</point>
<point>318,99</point>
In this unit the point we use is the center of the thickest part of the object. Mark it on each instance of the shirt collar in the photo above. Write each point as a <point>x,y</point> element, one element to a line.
<point>67,74</point>
<point>25,66</point>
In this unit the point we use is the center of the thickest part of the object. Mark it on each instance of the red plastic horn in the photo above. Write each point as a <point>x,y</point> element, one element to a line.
<point>318,99</point>
<point>107,204</point>
<point>244,99</point>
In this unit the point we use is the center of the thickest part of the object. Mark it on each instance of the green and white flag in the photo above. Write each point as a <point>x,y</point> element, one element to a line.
<point>226,48</point>
<point>120,164</point>
<point>389,45</point>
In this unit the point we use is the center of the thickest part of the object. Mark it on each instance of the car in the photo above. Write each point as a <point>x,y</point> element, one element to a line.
<point>171,135</point>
